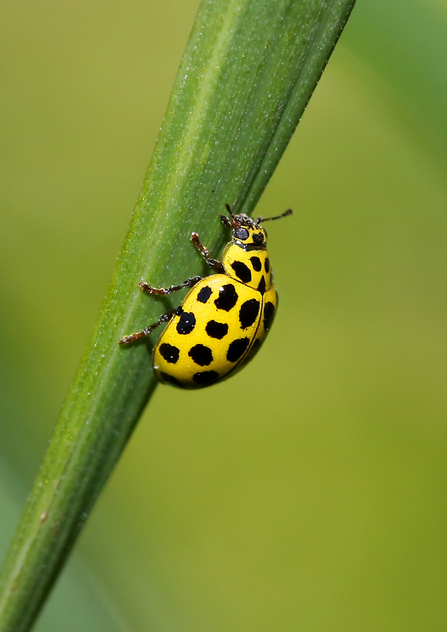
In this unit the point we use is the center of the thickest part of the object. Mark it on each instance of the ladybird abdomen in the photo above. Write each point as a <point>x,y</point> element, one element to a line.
<point>270,305</point>
<point>211,335</point>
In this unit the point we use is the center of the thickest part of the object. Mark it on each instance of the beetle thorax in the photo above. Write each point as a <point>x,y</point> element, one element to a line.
<point>251,267</point>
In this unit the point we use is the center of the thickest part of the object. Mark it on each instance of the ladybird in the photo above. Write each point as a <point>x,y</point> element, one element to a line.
<point>224,318</point>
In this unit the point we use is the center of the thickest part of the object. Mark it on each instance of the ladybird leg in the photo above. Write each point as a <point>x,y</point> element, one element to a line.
<point>145,332</point>
<point>213,263</point>
<point>172,288</point>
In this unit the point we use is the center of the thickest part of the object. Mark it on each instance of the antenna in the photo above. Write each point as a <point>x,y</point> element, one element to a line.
<point>228,207</point>
<point>269,219</point>
<point>225,219</point>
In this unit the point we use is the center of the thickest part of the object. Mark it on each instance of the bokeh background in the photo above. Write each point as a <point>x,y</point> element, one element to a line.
<point>309,492</point>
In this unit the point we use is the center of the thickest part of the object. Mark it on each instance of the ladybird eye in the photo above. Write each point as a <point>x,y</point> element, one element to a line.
<point>241,233</point>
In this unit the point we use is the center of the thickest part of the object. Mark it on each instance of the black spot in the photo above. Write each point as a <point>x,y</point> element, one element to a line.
<point>258,238</point>
<point>204,294</point>
<point>261,286</point>
<point>165,377</point>
<point>242,271</point>
<point>248,313</point>
<point>205,378</point>
<point>201,355</point>
<point>237,349</point>
<point>186,323</point>
<point>256,263</point>
<point>269,314</point>
<point>267,265</point>
<point>216,330</point>
<point>169,353</point>
<point>227,298</point>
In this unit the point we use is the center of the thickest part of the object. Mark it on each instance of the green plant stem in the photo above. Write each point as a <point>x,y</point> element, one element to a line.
<point>248,71</point>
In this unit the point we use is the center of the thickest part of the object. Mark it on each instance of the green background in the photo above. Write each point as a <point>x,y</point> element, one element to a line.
<point>307,493</point>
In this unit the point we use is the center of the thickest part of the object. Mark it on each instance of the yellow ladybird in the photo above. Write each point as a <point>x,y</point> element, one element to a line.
<point>224,318</point>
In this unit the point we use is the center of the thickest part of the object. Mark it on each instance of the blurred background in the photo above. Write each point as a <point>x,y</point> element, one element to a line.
<point>317,503</point>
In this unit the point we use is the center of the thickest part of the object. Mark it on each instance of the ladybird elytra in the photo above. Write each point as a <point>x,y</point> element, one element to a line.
<point>224,318</point>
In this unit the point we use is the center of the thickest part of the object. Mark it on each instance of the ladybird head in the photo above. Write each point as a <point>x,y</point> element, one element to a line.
<point>248,233</point>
